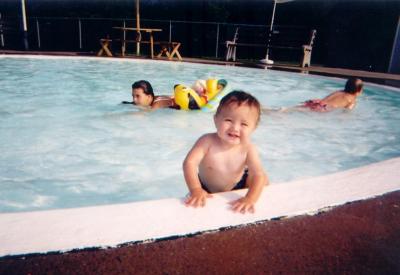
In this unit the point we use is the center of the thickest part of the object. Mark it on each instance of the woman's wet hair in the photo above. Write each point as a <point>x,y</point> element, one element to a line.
<point>240,98</point>
<point>353,85</point>
<point>145,86</point>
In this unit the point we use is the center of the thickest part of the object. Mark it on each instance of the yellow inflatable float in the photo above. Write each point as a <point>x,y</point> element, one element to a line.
<point>204,95</point>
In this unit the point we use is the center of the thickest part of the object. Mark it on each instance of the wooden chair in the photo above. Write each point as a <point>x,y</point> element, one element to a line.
<point>105,43</point>
<point>170,49</point>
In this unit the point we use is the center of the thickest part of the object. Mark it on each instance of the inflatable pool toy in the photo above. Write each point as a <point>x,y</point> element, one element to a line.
<point>188,99</point>
<point>213,103</point>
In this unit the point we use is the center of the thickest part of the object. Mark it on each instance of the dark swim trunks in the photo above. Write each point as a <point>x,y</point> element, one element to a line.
<point>240,185</point>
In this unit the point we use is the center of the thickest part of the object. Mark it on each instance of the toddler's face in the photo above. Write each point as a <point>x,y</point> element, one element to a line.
<point>140,98</point>
<point>199,87</point>
<point>235,123</point>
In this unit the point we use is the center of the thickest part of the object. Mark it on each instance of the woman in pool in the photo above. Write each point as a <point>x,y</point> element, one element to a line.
<point>143,95</point>
<point>345,99</point>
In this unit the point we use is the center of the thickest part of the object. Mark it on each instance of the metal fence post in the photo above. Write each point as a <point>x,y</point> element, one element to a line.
<point>1,33</point>
<point>24,25</point>
<point>394,64</point>
<point>216,46</point>
<point>38,33</point>
<point>170,31</point>
<point>80,33</point>
<point>123,47</point>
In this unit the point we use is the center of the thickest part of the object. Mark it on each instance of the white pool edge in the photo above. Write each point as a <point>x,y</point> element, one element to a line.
<point>112,225</point>
<point>134,60</point>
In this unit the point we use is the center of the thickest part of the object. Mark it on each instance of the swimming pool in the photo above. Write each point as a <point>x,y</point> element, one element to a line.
<point>67,142</point>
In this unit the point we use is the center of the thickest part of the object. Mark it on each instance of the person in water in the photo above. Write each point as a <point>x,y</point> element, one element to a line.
<point>345,99</point>
<point>200,87</point>
<point>143,95</point>
<point>226,159</point>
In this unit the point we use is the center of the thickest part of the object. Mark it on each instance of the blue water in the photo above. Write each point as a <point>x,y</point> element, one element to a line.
<point>65,140</point>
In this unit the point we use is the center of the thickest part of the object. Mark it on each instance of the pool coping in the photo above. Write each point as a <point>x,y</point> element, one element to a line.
<point>389,79</point>
<point>114,225</point>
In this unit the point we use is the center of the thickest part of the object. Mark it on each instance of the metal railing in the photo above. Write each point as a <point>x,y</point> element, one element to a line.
<point>198,39</point>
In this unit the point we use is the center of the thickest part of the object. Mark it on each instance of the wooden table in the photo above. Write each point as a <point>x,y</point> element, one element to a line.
<point>138,39</point>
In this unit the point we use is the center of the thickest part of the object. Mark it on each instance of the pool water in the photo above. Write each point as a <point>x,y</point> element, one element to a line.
<point>66,141</point>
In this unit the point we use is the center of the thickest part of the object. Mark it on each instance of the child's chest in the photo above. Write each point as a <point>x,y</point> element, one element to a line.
<point>217,158</point>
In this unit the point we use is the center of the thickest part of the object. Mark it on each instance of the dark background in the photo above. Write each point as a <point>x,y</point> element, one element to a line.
<point>350,34</point>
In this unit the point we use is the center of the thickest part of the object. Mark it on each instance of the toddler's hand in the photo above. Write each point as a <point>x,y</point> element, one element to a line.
<point>197,198</point>
<point>242,205</point>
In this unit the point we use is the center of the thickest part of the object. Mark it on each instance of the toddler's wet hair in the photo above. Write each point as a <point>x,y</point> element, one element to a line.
<point>239,98</point>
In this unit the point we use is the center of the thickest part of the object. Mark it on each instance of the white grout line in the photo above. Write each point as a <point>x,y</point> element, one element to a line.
<point>109,226</point>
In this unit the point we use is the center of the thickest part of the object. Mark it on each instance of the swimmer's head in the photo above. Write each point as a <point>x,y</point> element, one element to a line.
<point>142,93</point>
<point>353,85</point>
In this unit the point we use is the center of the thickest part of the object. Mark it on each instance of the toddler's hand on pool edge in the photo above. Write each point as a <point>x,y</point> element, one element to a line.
<point>242,205</point>
<point>197,197</point>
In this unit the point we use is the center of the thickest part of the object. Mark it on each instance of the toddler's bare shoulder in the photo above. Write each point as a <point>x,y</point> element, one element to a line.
<point>251,148</point>
<point>207,139</point>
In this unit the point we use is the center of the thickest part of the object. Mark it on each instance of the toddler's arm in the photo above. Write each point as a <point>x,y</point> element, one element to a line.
<point>197,196</point>
<point>256,181</point>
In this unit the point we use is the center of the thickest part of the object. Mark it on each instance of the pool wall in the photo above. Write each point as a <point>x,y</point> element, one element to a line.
<point>113,225</point>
